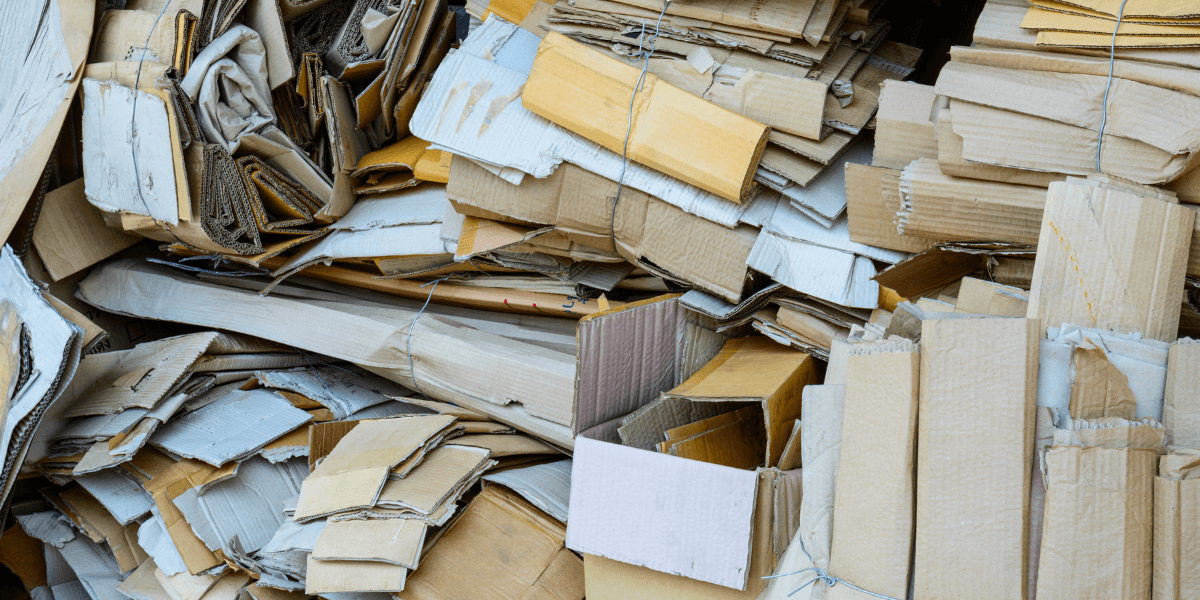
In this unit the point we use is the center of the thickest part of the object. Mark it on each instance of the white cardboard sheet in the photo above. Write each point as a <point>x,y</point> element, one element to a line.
<point>233,427</point>
<point>666,513</point>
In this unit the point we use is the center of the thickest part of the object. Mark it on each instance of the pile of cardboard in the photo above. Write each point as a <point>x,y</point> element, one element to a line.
<point>616,299</point>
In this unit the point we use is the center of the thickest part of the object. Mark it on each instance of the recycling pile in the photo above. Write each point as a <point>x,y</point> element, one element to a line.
<point>615,299</point>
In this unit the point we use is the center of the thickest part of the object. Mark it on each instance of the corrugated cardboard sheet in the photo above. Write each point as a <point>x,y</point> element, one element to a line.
<point>1181,403</point>
<point>354,473</point>
<point>626,501</point>
<point>1110,259</point>
<point>875,495</point>
<point>974,456</point>
<point>1097,537</point>
<point>1176,526</point>
<point>515,551</point>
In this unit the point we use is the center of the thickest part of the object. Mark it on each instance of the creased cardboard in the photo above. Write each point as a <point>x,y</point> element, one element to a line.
<point>1097,539</point>
<point>1089,272</point>
<point>670,116</point>
<point>517,141</point>
<point>905,131</point>
<point>393,541</point>
<point>874,501</point>
<point>353,475</point>
<point>230,428</point>
<point>437,477</point>
<point>55,37</point>
<point>758,370</point>
<point>490,527</point>
<point>872,202</point>
<point>244,507</point>
<point>975,432</point>
<point>942,207</point>
<point>1176,540</point>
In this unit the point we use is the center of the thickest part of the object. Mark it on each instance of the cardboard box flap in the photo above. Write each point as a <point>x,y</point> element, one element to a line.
<point>645,427</point>
<point>645,333</point>
<point>230,428</point>
<point>393,541</point>
<point>244,507</point>
<point>353,474</point>
<point>546,486</point>
<point>626,501</point>
<point>437,476</point>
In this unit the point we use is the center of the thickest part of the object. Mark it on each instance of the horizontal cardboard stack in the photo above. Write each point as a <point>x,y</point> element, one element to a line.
<point>615,299</point>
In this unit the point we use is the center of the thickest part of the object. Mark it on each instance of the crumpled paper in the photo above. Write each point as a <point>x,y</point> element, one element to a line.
<point>228,81</point>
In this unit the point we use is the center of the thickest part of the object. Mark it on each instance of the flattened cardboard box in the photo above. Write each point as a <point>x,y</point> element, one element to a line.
<point>1177,526</point>
<point>974,456</point>
<point>1097,536</point>
<point>583,90</point>
<point>875,495</point>
<point>354,473</point>
<point>1112,259</point>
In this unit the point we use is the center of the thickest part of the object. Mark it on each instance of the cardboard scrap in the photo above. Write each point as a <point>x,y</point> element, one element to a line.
<point>353,475</point>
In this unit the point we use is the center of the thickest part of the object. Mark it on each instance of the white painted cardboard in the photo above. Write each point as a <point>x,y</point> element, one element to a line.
<point>112,142</point>
<point>248,506</point>
<point>666,513</point>
<point>154,539</point>
<point>119,492</point>
<point>341,391</point>
<point>54,347</point>
<point>546,486</point>
<point>231,428</point>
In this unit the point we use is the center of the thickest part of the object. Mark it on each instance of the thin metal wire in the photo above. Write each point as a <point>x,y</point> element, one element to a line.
<point>1112,59</point>
<point>821,575</point>
<point>641,54</point>
<point>408,343</point>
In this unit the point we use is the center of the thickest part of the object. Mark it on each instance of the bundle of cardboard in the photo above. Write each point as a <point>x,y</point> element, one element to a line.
<point>615,299</point>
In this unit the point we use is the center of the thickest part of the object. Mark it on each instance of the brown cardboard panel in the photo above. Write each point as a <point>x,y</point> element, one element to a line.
<point>875,495</point>
<point>903,130</point>
<point>974,457</point>
<point>515,550</point>
<point>872,218</point>
<point>1112,259</point>
<point>946,208</point>
<point>755,369</point>
<point>70,234</point>
<point>1181,402</point>
<point>353,474</point>
<point>1097,539</point>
